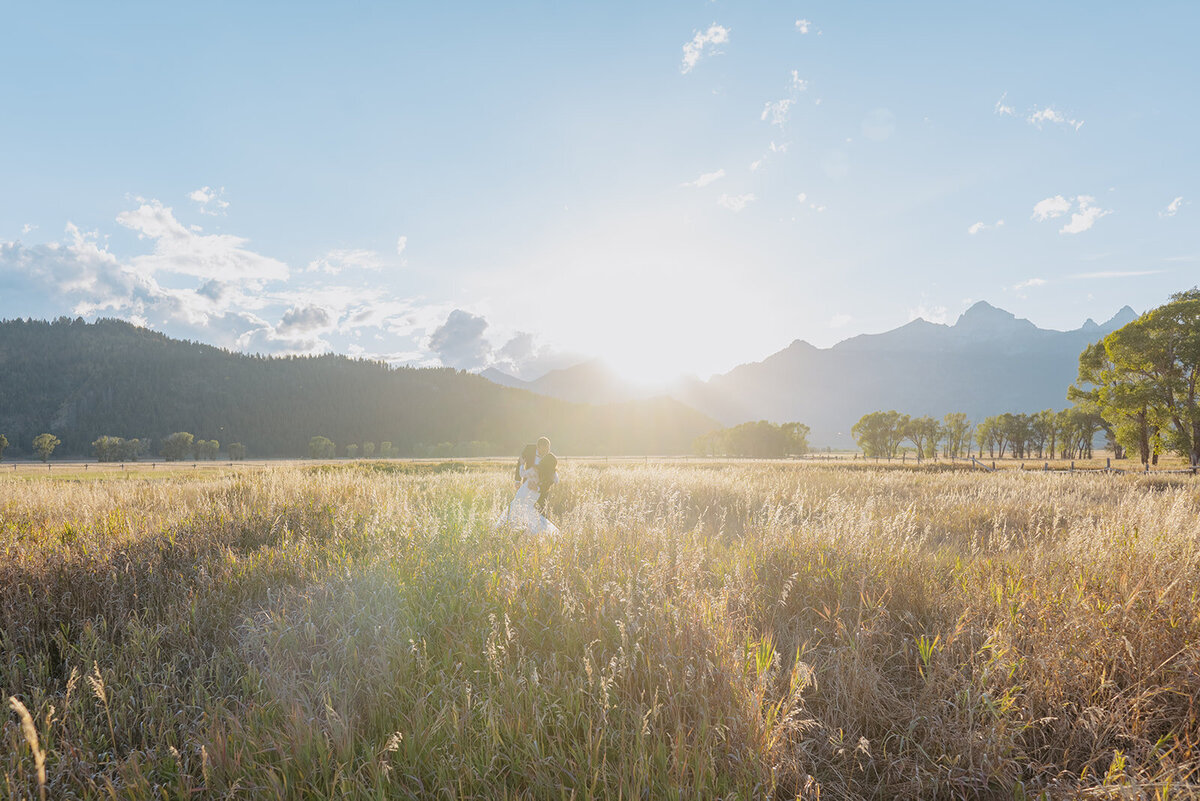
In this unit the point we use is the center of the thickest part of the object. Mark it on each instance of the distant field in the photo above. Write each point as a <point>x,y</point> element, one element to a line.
<point>701,629</point>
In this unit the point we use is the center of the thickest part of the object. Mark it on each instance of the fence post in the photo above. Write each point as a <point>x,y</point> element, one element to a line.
<point>1046,469</point>
<point>1072,465</point>
<point>1108,463</point>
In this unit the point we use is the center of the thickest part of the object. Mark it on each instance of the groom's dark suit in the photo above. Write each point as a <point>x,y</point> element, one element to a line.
<point>546,468</point>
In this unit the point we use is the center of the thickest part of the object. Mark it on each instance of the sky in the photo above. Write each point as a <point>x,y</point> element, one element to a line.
<point>674,187</point>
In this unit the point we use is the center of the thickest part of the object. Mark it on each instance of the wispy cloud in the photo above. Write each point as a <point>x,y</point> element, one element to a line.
<point>1172,208</point>
<point>1030,282</point>
<point>802,199</point>
<point>798,84</point>
<point>736,203</point>
<point>1117,274</point>
<point>803,25</point>
<point>28,228</point>
<point>773,149</point>
<point>776,113</point>
<point>694,50</point>
<point>1041,116</point>
<point>1036,116</point>
<point>982,226</point>
<point>211,201</point>
<point>340,260</point>
<point>705,179</point>
<point>840,320</point>
<point>401,245</point>
<point>184,251</point>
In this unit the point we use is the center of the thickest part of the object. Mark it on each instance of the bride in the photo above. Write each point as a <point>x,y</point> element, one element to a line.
<point>523,512</point>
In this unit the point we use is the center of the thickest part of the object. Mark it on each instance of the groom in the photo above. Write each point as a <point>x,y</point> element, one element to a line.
<point>546,464</point>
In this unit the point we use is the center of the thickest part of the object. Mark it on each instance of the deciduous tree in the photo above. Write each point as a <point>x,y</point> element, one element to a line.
<point>879,434</point>
<point>1143,379</point>
<point>321,448</point>
<point>177,446</point>
<point>44,445</point>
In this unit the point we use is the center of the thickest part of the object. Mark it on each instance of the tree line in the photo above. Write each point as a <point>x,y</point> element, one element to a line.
<point>81,380</point>
<point>760,439</point>
<point>1065,434</point>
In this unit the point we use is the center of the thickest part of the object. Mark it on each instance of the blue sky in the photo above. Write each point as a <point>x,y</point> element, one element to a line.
<point>674,187</point>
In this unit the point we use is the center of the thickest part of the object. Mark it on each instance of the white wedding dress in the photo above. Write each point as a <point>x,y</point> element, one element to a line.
<point>522,512</point>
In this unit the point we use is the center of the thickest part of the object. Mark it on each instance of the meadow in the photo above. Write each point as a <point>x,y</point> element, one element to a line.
<point>708,630</point>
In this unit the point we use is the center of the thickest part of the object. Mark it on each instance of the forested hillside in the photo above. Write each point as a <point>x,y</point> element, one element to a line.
<point>82,380</point>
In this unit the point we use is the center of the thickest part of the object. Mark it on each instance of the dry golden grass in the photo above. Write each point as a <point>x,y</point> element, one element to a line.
<point>706,630</point>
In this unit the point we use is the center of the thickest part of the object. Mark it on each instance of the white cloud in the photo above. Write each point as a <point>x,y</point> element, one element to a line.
<point>1030,282</point>
<point>839,320</point>
<point>982,226</point>
<point>777,112</point>
<point>1172,208</point>
<point>459,342</point>
<point>705,179</point>
<point>694,50</point>
<point>754,165</point>
<point>401,244</point>
<point>217,290</point>
<point>303,320</point>
<point>212,202</point>
<point>798,83</point>
<point>28,228</point>
<point>736,202</point>
<point>1039,117</point>
<point>336,261</point>
<point>1117,274</point>
<point>182,251</point>
<point>802,198</point>
<point>524,357</point>
<point>1085,217</point>
<point>803,25</point>
<point>1085,214</point>
<point>1051,207</point>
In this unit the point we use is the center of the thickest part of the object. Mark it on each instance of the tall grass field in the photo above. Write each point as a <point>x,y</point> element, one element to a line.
<point>733,631</point>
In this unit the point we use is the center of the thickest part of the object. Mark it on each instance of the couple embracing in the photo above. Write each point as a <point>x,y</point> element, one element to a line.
<point>536,473</point>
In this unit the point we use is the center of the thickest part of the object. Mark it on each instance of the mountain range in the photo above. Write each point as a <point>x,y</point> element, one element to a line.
<point>80,381</point>
<point>988,362</point>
